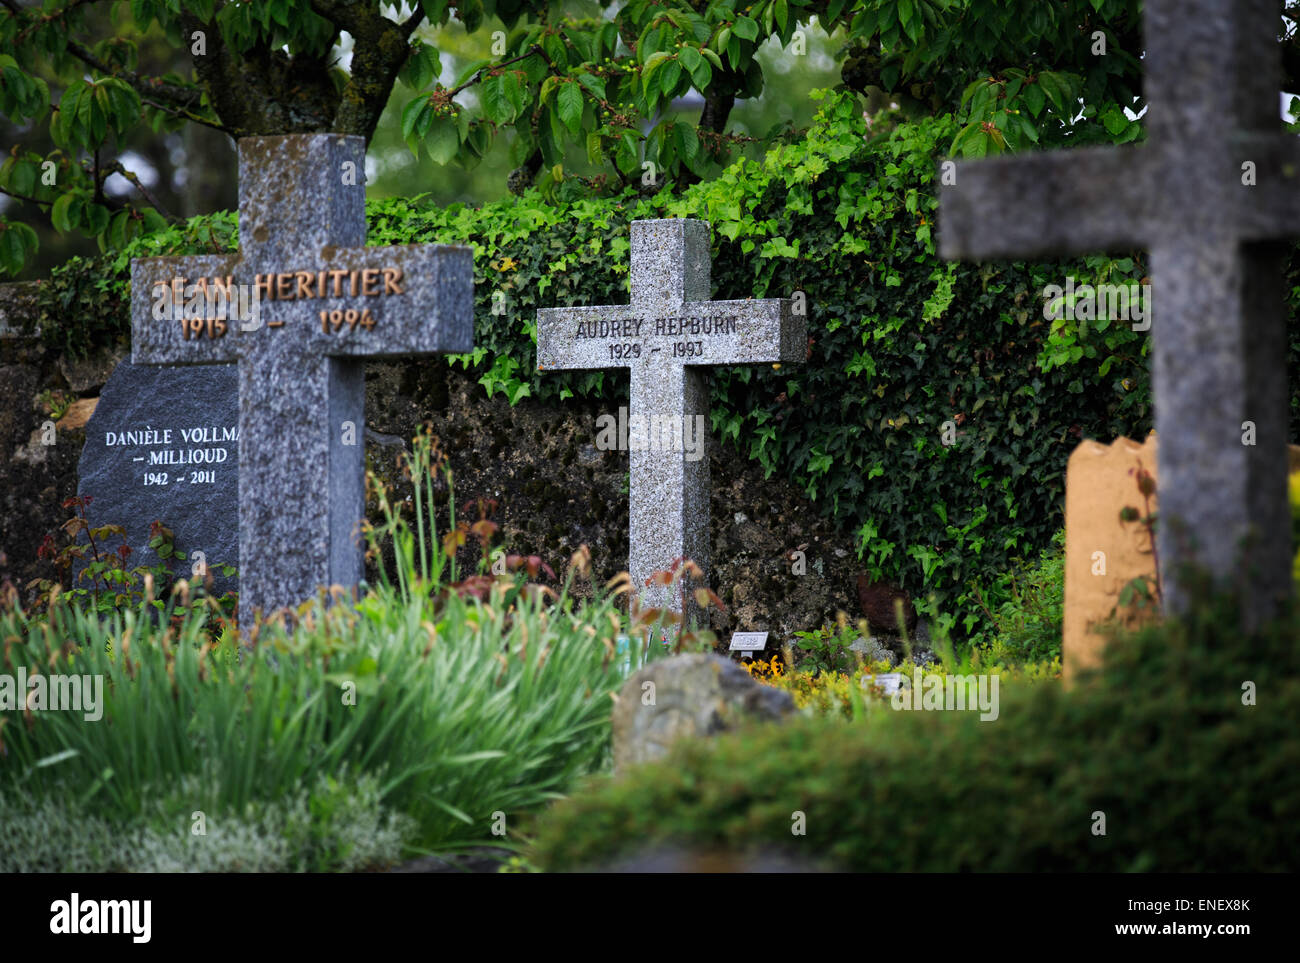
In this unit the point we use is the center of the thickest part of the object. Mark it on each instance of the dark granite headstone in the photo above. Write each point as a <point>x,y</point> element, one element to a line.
<point>163,445</point>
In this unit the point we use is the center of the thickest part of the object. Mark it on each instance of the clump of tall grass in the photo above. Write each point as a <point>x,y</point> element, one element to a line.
<point>466,709</point>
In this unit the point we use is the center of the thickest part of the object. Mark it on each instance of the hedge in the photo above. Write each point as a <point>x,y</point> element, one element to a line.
<point>1190,771</point>
<point>900,343</point>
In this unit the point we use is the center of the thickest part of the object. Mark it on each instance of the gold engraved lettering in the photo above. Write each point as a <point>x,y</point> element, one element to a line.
<point>391,277</point>
<point>369,282</point>
<point>284,287</point>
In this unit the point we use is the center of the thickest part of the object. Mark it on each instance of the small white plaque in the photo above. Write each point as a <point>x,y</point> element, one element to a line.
<point>889,682</point>
<point>748,641</point>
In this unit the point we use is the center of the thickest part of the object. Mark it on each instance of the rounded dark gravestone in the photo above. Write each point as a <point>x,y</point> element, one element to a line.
<point>163,445</point>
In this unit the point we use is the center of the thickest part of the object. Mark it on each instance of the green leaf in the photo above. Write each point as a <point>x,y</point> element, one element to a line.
<point>513,92</point>
<point>569,102</point>
<point>668,77</point>
<point>421,68</point>
<point>651,64</point>
<point>702,75</point>
<point>495,106</point>
<point>65,209</point>
<point>1115,121</point>
<point>745,28</point>
<point>687,140</point>
<point>689,59</point>
<point>411,115</point>
<point>595,85</point>
<point>443,141</point>
<point>1034,99</point>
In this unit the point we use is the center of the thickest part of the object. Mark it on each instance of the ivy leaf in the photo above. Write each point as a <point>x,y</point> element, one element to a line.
<point>1115,121</point>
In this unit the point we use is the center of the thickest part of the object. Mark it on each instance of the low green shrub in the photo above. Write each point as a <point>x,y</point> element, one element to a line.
<point>1184,741</point>
<point>337,825</point>
<point>1026,626</point>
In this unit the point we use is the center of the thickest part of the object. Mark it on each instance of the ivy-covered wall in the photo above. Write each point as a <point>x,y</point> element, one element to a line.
<point>900,342</point>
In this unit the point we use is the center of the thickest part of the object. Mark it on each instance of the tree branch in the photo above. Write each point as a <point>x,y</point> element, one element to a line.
<point>24,197</point>
<point>182,97</point>
<point>478,74</point>
<point>131,176</point>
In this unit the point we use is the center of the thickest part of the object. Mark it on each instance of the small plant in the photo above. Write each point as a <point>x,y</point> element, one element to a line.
<point>55,403</point>
<point>105,583</point>
<point>1144,593</point>
<point>827,649</point>
<point>1026,625</point>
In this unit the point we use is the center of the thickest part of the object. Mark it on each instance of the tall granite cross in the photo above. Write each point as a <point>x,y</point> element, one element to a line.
<point>325,303</point>
<point>1208,194</point>
<point>668,337</point>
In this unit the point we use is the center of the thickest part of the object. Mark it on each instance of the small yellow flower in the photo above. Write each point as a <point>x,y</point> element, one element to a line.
<point>508,264</point>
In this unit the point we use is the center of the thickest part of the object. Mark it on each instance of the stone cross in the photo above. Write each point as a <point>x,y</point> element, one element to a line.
<point>668,338</point>
<point>1216,184</point>
<point>324,302</point>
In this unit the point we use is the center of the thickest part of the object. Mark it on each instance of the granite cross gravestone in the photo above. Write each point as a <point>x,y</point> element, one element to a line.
<point>1214,184</point>
<point>163,445</point>
<point>668,337</point>
<point>323,302</point>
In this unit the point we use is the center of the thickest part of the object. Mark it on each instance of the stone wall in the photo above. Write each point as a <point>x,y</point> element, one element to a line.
<point>553,488</point>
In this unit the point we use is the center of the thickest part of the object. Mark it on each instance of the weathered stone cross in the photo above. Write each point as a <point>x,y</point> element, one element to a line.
<point>1216,182</point>
<point>668,337</point>
<point>325,303</point>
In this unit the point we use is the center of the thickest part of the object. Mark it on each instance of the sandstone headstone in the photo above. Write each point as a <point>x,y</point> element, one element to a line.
<point>163,445</point>
<point>322,303</point>
<point>1212,186</point>
<point>668,338</point>
<point>688,696</point>
<point>1102,553</point>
